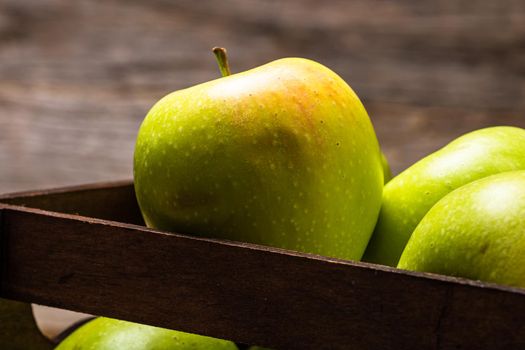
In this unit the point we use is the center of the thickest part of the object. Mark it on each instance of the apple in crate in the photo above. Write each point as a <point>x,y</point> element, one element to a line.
<point>476,231</point>
<point>282,155</point>
<point>411,194</point>
<point>111,334</point>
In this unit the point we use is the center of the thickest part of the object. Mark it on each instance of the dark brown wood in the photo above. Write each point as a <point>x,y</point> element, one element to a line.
<point>109,200</point>
<point>243,292</point>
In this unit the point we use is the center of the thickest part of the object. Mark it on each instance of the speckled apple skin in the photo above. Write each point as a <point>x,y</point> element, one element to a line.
<point>110,334</point>
<point>410,195</point>
<point>282,155</point>
<point>476,232</point>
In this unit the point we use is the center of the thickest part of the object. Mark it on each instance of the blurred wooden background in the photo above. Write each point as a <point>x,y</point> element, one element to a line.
<point>77,77</point>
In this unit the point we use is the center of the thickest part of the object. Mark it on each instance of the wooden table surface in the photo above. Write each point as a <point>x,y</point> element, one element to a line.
<point>77,78</point>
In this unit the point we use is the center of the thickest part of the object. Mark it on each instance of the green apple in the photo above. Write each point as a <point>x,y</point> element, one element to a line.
<point>110,334</point>
<point>409,196</point>
<point>18,329</point>
<point>282,155</point>
<point>387,173</point>
<point>476,231</point>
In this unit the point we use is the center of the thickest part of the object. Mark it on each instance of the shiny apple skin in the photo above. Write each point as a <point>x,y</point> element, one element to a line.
<point>476,232</point>
<point>282,155</point>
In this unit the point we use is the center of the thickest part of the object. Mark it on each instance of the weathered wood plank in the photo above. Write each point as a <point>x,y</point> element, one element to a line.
<point>466,54</point>
<point>247,293</point>
<point>111,201</point>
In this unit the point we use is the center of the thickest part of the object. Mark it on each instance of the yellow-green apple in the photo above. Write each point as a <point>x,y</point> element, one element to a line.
<point>18,329</point>
<point>476,231</point>
<point>110,334</point>
<point>387,173</point>
<point>409,196</point>
<point>282,155</point>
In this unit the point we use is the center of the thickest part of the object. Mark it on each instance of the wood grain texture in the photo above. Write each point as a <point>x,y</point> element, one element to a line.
<point>234,291</point>
<point>76,78</point>
<point>111,201</point>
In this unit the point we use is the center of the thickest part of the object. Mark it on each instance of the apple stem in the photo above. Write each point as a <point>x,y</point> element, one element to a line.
<point>222,60</point>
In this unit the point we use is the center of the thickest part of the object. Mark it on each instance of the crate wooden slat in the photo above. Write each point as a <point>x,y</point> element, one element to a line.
<point>104,262</point>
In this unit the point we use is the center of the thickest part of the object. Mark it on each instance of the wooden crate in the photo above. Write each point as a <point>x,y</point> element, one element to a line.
<point>86,249</point>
